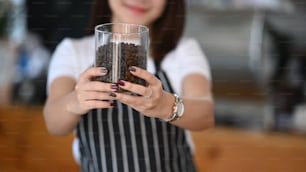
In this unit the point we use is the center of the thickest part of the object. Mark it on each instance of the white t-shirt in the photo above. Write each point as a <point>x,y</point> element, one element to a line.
<point>73,56</point>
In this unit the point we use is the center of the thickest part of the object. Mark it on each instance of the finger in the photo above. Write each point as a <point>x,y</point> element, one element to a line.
<point>135,88</point>
<point>92,72</point>
<point>141,73</point>
<point>87,96</point>
<point>130,100</point>
<point>136,102</point>
<point>149,94</point>
<point>97,86</point>
<point>94,104</point>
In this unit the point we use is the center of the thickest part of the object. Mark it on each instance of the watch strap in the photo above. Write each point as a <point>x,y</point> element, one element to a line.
<point>175,115</point>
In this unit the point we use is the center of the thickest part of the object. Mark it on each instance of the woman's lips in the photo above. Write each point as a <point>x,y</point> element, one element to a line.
<point>136,9</point>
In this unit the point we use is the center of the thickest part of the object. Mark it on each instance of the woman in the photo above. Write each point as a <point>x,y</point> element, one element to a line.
<point>133,133</point>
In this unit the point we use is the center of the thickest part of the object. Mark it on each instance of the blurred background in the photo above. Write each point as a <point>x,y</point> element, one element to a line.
<point>257,54</point>
<point>256,49</point>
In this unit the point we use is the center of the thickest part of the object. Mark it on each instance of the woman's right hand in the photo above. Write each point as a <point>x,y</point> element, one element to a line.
<point>91,94</point>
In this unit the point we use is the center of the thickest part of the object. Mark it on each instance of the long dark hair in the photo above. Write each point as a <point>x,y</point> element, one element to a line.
<point>165,32</point>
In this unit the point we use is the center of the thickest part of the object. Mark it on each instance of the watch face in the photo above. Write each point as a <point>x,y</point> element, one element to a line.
<point>180,109</point>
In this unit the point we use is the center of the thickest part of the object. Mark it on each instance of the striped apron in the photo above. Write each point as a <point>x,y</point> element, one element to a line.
<point>121,139</point>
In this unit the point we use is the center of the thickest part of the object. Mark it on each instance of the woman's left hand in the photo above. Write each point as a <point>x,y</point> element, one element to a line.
<point>153,100</point>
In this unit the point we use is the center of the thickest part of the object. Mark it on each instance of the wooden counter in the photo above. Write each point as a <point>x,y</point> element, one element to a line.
<point>25,145</point>
<point>235,150</point>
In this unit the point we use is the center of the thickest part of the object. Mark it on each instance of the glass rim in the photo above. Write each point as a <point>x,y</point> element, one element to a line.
<point>143,28</point>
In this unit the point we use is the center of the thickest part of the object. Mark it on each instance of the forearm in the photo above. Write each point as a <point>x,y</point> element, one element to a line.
<point>198,102</point>
<point>198,114</point>
<point>58,114</point>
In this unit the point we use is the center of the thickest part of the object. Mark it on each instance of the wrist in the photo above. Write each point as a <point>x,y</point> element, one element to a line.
<point>177,109</point>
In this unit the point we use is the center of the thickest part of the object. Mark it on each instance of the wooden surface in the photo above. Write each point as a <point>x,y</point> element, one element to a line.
<point>25,145</point>
<point>235,150</point>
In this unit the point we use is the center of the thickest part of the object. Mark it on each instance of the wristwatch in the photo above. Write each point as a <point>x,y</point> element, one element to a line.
<point>178,109</point>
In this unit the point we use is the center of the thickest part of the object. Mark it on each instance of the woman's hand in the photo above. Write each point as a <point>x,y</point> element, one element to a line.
<point>69,99</point>
<point>153,102</point>
<point>93,94</point>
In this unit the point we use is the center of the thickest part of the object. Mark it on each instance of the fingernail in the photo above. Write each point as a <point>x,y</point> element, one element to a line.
<point>114,87</point>
<point>104,70</point>
<point>112,94</point>
<point>112,104</point>
<point>132,69</point>
<point>121,83</point>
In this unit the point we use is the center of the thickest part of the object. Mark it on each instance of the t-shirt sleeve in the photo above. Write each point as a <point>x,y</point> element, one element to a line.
<point>192,59</point>
<point>186,59</point>
<point>63,62</point>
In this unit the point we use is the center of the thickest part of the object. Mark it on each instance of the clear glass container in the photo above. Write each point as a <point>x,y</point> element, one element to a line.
<point>119,46</point>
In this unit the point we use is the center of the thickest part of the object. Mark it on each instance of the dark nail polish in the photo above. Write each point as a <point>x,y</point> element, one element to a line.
<point>112,94</point>
<point>114,87</point>
<point>121,83</point>
<point>112,104</point>
<point>104,70</point>
<point>132,69</point>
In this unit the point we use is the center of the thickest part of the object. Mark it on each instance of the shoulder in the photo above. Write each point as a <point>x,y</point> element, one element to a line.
<point>62,61</point>
<point>74,49</point>
<point>71,57</point>
<point>188,43</point>
<point>186,59</point>
<point>187,50</point>
<point>75,43</point>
